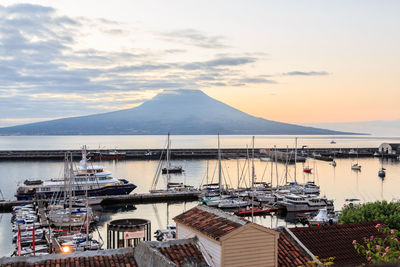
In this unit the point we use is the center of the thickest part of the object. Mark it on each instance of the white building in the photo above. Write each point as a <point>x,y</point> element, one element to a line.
<point>391,149</point>
<point>227,240</point>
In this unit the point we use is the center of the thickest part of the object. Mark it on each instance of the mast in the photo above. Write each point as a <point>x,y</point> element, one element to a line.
<point>286,165</point>
<point>272,170</point>
<point>295,159</point>
<point>207,173</point>
<point>219,169</point>
<point>168,164</point>
<point>65,175</point>
<point>252,183</point>
<point>248,163</point>
<point>252,167</point>
<point>238,173</point>
<point>276,167</point>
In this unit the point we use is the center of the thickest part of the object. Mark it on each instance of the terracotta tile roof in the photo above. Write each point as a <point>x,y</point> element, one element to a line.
<point>115,257</point>
<point>170,253</point>
<point>210,221</point>
<point>181,252</point>
<point>289,254</point>
<point>336,241</point>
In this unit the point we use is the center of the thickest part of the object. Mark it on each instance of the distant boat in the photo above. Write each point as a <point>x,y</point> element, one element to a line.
<point>356,167</point>
<point>382,173</point>
<point>333,142</point>
<point>333,163</point>
<point>307,169</point>
<point>170,169</point>
<point>175,169</point>
<point>104,155</point>
<point>352,152</point>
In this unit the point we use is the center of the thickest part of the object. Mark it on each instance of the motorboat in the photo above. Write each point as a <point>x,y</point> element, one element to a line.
<point>87,179</point>
<point>166,234</point>
<point>108,155</point>
<point>255,211</point>
<point>232,203</point>
<point>25,227</point>
<point>302,203</point>
<point>333,163</point>
<point>307,169</point>
<point>215,200</point>
<point>39,250</point>
<point>265,197</point>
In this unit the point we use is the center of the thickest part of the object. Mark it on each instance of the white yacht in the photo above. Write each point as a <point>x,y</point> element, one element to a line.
<point>301,203</point>
<point>87,177</point>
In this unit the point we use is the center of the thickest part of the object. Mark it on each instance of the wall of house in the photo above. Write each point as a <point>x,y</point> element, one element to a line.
<point>211,249</point>
<point>250,247</point>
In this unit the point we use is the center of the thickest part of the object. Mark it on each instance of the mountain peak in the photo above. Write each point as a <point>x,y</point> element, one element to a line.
<point>177,111</point>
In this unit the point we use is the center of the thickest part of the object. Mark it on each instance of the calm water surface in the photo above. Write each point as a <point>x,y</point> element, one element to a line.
<point>336,183</point>
<point>185,141</point>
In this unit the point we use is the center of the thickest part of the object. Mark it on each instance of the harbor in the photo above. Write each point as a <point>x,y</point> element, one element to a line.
<point>263,183</point>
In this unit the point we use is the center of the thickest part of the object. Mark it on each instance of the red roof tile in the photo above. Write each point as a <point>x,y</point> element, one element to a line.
<point>289,254</point>
<point>209,221</point>
<point>180,252</point>
<point>336,241</point>
<point>121,258</point>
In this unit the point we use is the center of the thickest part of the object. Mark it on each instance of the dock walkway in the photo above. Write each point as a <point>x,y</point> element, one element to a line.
<point>6,206</point>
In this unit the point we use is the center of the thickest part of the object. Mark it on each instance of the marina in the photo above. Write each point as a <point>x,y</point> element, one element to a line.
<point>306,191</point>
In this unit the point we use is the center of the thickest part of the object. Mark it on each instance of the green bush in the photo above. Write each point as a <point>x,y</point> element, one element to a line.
<point>386,212</point>
<point>380,249</point>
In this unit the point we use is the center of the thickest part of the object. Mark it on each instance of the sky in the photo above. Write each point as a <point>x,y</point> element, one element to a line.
<point>290,61</point>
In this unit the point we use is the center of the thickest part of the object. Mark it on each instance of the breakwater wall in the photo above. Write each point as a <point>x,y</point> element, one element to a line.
<point>155,154</point>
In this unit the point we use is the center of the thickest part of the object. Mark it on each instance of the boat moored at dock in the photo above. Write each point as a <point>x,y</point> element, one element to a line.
<point>87,179</point>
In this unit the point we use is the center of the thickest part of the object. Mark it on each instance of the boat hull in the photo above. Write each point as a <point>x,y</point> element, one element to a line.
<point>111,190</point>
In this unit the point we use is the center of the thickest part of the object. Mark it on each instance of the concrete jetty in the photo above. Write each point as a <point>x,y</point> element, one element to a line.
<point>6,206</point>
<point>197,153</point>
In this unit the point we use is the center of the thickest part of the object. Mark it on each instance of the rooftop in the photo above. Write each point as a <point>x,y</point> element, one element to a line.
<point>111,257</point>
<point>209,221</point>
<point>289,254</point>
<point>337,241</point>
<point>173,252</point>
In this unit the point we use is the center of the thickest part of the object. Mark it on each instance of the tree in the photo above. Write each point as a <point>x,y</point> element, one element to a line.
<point>385,249</point>
<point>386,212</point>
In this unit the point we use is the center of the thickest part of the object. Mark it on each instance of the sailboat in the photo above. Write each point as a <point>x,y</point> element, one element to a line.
<point>168,169</point>
<point>382,172</point>
<point>172,187</point>
<point>356,166</point>
<point>333,163</point>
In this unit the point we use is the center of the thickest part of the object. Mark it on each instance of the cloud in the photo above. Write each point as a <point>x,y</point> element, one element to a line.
<point>45,70</point>
<point>306,73</point>
<point>195,38</point>
<point>256,80</point>
<point>219,62</point>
